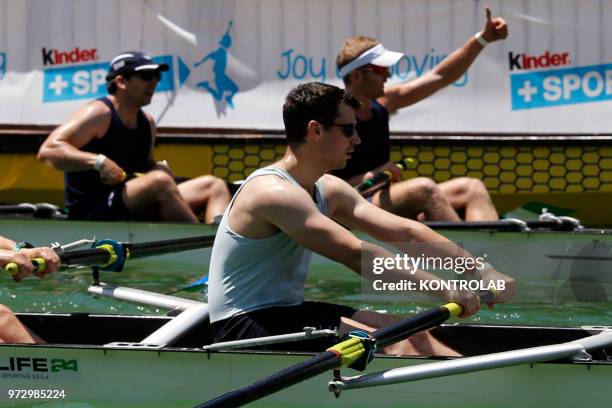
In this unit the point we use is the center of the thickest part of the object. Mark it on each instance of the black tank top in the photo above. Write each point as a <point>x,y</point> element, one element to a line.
<point>129,148</point>
<point>374,148</point>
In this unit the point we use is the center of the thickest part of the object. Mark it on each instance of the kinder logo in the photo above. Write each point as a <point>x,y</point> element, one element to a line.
<point>57,57</point>
<point>546,60</point>
<point>89,81</point>
<point>566,86</point>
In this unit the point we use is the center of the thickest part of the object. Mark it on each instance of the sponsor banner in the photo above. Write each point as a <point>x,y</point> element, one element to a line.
<point>232,62</point>
<point>88,81</point>
<point>562,87</point>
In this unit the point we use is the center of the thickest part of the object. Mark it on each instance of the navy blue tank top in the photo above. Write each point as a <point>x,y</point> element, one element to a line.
<point>374,148</point>
<point>129,148</point>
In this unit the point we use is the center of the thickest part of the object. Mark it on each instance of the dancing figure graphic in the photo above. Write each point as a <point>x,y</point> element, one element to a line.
<point>223,83</point>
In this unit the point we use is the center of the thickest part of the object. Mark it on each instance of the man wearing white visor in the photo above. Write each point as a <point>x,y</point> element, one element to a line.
<point>364,66</point>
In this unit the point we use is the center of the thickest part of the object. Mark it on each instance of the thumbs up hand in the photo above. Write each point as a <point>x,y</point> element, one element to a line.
<point>495,28</point>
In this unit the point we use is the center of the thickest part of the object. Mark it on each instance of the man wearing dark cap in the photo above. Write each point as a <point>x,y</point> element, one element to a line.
<point>364,65</point>
<point>106,151</point>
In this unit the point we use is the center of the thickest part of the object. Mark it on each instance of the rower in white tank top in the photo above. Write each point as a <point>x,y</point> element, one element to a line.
<point>249,274</point>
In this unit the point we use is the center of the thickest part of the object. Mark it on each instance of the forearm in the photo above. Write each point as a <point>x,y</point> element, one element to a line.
<point>6,243</point>
<point>382,265</point>
<point>428,242</point>
<point>458,62</point>
<point>66,157</point>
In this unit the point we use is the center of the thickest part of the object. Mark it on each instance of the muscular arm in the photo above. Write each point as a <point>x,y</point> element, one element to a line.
<point>61,148</point>
<point>6,243</point>
<point>447,72</point>
<point>290,209</point>
<point>352,210</point>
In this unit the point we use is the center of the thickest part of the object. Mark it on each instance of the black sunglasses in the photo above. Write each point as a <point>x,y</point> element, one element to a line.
<point>347,128</point>
<point>149,75</point>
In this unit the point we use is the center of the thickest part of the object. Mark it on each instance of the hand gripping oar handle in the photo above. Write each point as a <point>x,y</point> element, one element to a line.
<point>111,255</point>
<point>369,187</point>
<point>342,354</point>
<point>39,264</point>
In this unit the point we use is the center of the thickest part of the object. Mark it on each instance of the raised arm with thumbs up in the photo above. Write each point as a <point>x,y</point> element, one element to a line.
<point>495,28</point>
<point>365,65</point>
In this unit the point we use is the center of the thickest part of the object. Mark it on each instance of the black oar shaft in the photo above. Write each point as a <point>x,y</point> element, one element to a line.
<point>112,254</point>
<point>276,382</point>
<point>406,328</point>
<point>383,337</point>
<point>85,256</point>
<point>170,245</point>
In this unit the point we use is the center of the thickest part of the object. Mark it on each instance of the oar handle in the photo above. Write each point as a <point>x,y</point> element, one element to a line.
<point>39,264</point>
<point>381,179</point>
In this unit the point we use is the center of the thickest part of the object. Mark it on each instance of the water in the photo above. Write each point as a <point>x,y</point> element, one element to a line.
<point>66,292</point>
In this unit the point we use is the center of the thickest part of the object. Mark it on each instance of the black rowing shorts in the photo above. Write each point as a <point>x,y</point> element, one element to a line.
<point>282,320</point>
<point>111,207</point>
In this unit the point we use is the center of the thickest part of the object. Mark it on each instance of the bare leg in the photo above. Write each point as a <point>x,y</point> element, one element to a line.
<point>420,344</point>
<point>207,192</point>
<point>471,196</point>
<point>155,195</point>
<point>411,197</point>
<point>13,331</point>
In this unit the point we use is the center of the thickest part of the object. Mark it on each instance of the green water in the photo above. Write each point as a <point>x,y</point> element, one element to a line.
<point>66,292</point>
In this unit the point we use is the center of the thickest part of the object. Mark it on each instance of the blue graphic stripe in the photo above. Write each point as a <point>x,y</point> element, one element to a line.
<point>2,64</point>
<point>557,87</point>
<point>88,81</point>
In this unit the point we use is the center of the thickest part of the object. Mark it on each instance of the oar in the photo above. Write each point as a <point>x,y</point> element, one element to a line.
<point>111,255</point>
<point>343,354</point>
<point>369,187</point>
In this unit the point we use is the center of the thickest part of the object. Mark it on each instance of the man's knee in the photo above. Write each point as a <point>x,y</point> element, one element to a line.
<point>161,182</point>
<point>423,186</point>
<point>473,187</point>
<point>218,186</point>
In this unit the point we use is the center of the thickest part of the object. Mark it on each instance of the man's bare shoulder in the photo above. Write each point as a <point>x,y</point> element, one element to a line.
<point>335,187</point>
<point>268,191</point>
<point>335,183</point>
<point>87,122</point>
<point>94,110</point>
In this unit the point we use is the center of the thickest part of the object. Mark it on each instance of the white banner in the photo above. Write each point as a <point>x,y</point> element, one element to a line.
<point>233,62</point>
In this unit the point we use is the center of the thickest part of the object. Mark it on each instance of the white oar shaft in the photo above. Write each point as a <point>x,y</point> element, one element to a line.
<point>477,363</point>
<point>142,297</point>
<point>172,331</point>
<point>262,341</point>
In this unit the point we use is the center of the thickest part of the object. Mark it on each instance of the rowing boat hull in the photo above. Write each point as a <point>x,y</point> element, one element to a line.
<point>108,377</point>
<point>179,377</point>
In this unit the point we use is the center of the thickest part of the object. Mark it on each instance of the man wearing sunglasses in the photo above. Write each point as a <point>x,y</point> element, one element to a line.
<point>261,254</point>
<point>364,65</point>
<point>106,151</point>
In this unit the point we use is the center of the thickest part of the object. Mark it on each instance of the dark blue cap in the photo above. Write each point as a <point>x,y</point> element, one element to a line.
<point>133,61</point>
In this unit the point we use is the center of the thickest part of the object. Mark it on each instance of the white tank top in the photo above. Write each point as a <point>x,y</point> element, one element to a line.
<point>249,274</point>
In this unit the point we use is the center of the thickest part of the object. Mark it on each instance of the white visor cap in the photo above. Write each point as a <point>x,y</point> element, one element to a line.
<point>376,55</point>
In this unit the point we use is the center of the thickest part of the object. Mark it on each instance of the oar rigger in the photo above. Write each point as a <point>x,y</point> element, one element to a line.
<point>117,254</point>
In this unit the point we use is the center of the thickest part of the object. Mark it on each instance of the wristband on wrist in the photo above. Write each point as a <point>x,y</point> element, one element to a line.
<point>478,36</point>
<point>22,245</point>
<point>99,162</point>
